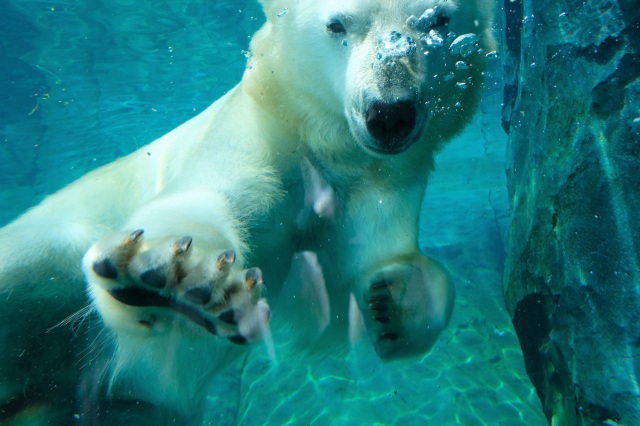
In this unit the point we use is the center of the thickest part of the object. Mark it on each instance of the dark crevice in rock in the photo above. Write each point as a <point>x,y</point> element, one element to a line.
<point>513,11</point>
<point>531,321</point>
<point>512,40</point>
<point>558,388</point>
<point>510,95</point>
<point>608,96</point>
<point>603,53</point>
<point>630,14</point>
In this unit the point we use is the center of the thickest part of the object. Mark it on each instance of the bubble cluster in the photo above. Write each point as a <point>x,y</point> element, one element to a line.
<point>426,21</point>
<point>394,45</point>
<point>432,39</point>
<point>431,35</point>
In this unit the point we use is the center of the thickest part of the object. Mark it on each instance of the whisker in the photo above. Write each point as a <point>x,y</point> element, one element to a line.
<point>97,343</point>
<point>75,319</point>
<point>96,349</point>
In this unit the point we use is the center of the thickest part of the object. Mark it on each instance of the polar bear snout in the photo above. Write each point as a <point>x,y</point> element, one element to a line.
<point>390,125</point>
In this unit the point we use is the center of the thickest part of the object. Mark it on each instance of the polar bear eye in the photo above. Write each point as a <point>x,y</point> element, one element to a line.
<point>336,27</point>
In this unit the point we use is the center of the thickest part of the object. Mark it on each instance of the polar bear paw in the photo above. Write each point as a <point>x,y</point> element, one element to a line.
<point>205,288</point>
<point>406,306</point>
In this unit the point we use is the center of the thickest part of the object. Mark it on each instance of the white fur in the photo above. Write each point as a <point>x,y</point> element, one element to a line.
<point>279,165</point>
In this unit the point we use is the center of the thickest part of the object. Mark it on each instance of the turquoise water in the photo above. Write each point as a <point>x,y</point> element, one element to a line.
<point>85,83</point>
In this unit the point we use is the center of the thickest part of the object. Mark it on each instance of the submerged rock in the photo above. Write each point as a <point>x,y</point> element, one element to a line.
<point>572,278</point>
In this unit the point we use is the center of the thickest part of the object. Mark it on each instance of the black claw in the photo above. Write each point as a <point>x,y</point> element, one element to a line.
<point>225,259</point>
<point>183,245</point>
<point>388,335</point>
<point>228,317</point>
<point>381,284</point>
<point>238,340</point>
<point>133,237</point>
<point>253,277</point>
<point>382,319</point>
<point>378,298</point>
<point>105,268</point>
<point>154,278</point>
<point>198,295</point>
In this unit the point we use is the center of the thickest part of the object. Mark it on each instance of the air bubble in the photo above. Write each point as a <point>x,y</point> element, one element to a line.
<point>460,65</point>
<point>448,77</point>
<point>393,45</point>
<point>412,21</point>
<point>450,37</point>
<point>433,39</point>
<point>281,14</point>
<point>465,45</point>
<point>462,85</point>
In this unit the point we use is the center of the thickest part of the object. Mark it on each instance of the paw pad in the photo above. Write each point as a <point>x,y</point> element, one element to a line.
<point>383,313</point>
<point>155,278</point>
<point>228,317</point>
<point>387,335</point>
<point>164,274</point>
<point>198,295</point>
<point>105,268</point>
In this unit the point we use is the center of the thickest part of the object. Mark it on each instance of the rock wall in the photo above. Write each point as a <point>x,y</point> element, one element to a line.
<point>572,277</point>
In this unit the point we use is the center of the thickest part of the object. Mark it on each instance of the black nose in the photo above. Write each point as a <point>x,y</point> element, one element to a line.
<point>391,123</point>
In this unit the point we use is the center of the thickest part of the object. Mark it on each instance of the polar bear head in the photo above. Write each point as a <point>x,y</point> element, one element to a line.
<point>388,73</point>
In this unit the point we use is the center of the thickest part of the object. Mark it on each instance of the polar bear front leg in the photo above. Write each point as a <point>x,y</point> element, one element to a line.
<point>179,259</point>
<point>407,302</point>
<point>405,298</point>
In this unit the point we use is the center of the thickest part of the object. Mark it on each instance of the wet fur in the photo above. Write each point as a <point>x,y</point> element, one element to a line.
<point>241,186</point>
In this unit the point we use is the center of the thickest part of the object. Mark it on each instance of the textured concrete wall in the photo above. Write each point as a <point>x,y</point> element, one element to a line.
<point>572,279</point>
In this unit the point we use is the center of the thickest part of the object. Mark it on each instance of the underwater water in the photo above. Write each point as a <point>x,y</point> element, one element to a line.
<point>84,83</point>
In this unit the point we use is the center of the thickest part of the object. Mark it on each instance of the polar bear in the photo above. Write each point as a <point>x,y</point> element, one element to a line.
<point>320,154</point>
